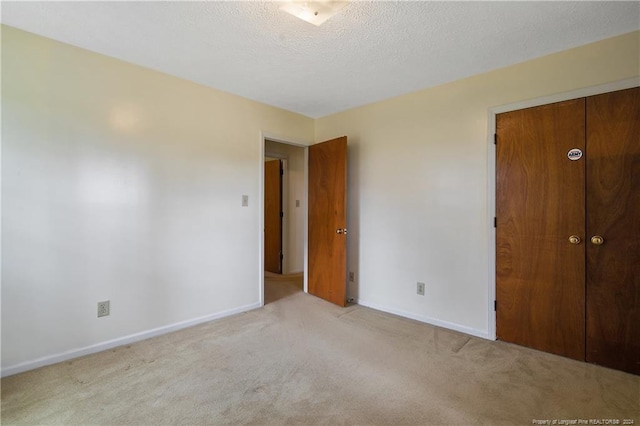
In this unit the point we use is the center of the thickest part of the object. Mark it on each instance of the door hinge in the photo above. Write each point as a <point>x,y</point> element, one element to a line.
<point>495,305</point>
<point>495,222</point>
<point>495,139</point>
<point>281,172</point>
<point>281,214</point>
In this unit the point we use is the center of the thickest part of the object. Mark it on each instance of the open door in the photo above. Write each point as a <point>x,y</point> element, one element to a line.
<point>328,220</point>
<point>273,216</point>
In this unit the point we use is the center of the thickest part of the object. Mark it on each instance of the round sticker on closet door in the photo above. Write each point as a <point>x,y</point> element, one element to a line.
<point>574,154</point>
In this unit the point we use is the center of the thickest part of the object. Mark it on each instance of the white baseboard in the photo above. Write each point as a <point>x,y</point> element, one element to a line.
<point>426,319</point>
<point>99,347</point>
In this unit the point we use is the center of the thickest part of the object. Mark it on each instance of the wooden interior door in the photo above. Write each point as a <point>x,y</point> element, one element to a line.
<point>273,216</point>
<point>540,199</point>
<point>613,213</point>
<point>328,220</point>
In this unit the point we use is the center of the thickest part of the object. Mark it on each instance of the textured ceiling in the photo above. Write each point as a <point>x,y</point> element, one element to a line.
<point>368,52</point>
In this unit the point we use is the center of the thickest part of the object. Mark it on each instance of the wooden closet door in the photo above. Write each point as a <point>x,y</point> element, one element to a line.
<point>540,287</point>
<point>613,213</point>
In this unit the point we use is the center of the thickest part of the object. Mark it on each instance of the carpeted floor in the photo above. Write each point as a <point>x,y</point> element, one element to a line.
<point>301,360</point>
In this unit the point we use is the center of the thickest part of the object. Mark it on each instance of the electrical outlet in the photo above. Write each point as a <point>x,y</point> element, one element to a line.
<point>420,289</point>
<point>103,309</point>
<point>351,276</point>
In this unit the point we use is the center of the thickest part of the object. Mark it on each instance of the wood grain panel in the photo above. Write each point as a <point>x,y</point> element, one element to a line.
<point>327,213</point>
<point>613,212</point>
<point>540,201</point>
<point>272,218</point>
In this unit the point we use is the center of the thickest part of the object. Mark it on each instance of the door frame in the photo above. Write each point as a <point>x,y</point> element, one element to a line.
<point>264,137</point>
<point>491,171</point>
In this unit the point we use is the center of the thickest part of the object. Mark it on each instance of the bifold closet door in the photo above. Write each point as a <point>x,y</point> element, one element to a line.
<point>540,199</point>
<point>613,230</point>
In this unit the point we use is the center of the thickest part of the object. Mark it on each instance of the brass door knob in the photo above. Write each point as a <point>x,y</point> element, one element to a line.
<point>597,240</point>
<point>339,231</point>
<point>574,239</point>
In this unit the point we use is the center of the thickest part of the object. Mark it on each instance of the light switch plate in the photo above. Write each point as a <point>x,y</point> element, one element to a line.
<point>245,200</point>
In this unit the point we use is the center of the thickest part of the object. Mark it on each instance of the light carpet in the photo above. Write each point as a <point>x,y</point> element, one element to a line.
<point>302,361</point>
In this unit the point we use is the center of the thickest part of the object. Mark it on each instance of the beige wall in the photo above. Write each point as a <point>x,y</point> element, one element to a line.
<point>418,179</point>
<point>122,184</point>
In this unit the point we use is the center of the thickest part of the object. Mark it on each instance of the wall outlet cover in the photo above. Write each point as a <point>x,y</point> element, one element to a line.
<point>420,289</point>
<point>103,309</point>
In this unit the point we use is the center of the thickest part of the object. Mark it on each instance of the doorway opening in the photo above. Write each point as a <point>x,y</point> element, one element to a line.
<point>284,219</point>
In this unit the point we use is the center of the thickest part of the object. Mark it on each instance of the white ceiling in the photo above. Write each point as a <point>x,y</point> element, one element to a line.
<point>368,52</point>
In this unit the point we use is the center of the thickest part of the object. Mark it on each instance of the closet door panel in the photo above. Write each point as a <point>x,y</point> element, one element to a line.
<point>539,204</point>
<point>613,213</point>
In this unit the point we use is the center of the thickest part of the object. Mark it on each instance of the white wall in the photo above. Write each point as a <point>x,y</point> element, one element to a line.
<point>418,178</point>
<point>294,180</point>
<point>122,184</point>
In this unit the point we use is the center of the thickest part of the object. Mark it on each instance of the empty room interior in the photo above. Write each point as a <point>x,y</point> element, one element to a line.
<point>339,213</point>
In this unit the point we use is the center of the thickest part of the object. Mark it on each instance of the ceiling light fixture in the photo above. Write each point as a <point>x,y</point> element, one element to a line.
<point>314,12</point>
